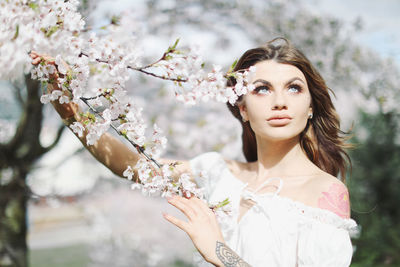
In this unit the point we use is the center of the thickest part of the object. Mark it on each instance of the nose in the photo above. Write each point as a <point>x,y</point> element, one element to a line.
<point>279,101</point>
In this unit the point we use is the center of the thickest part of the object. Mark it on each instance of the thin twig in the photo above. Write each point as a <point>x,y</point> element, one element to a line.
<point>142,69</point>
<point>92,98</point>
<point>158,76</point>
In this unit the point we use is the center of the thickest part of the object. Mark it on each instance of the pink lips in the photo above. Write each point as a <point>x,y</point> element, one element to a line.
<point>279,120</point>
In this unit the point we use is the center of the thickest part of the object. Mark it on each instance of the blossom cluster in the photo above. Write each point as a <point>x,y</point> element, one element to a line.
<point>154,181</point>
<point>93,68</point>
<point>51,27</point>
<point>199,85</point>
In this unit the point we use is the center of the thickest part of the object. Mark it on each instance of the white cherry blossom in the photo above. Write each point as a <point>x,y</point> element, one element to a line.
<point>77,128</point>
<point>128,173</point>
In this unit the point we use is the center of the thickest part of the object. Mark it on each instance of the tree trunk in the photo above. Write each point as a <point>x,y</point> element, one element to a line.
<point>16,160</point>
<point>13,220</point>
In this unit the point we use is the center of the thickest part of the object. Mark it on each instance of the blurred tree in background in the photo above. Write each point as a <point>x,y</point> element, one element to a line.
<point>20,148</point>
<point>17,157</point>
<point>375,188</point>
<point>366,85</point>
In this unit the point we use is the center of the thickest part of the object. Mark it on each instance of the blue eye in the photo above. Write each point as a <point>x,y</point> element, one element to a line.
<point>262,90</point>
<point>294,88</point>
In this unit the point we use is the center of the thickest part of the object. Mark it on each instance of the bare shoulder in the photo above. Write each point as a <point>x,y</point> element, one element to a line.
<point>241,170</point>
<point>233,165</point>
<point>331,194</point>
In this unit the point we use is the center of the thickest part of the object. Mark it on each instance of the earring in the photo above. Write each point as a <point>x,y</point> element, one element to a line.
<point>310,116</point>
<point>244,120</point>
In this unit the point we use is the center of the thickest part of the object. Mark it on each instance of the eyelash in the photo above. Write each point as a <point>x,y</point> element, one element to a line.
<point>297,87</point>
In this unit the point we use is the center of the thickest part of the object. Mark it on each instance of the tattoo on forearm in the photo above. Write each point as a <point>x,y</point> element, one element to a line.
<point>228,257</point>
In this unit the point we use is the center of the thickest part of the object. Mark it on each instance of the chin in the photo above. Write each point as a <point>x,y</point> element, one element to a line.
<point>280,134</point>
<point>281,138</point>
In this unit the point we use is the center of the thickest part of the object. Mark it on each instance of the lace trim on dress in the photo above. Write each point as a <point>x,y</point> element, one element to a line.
<point>321,215</point>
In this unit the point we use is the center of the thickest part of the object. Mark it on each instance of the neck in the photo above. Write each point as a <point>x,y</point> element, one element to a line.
<point>281,158</point>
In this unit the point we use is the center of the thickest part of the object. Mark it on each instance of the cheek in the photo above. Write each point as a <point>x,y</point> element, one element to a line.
<point>256,114</point>
<point>255,107</point>
<point>303,118</point>
<point>302,106</point>
<point>303,113</point>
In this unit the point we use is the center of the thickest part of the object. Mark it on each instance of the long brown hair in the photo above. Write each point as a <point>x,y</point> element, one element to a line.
<point>322,140</point>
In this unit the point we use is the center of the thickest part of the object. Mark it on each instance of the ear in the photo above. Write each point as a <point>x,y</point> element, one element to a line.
<point>243,112</point>
<point>310,111</point>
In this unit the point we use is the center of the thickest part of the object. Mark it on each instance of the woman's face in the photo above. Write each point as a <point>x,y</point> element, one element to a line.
<point>279,107</point>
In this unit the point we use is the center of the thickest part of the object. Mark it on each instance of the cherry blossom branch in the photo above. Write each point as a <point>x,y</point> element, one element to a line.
<point>60,28</point>
<point>157,76</point>
<point>170,50</point>
<point>140,149</point>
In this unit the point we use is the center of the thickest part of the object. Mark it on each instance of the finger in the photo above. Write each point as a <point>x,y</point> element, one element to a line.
<point>49,59</point>
<point>186,194</point>
<point>181,224</point>
<point>196,205</point>
<point>200,205</point>
<point>36,61</point>
<point>33,54</point>
<point>183,205</point>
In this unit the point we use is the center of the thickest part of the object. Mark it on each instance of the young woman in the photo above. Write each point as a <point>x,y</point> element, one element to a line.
<point>288,207</point>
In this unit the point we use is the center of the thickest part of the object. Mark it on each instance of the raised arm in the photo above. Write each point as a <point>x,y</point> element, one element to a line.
<point>109,150</point>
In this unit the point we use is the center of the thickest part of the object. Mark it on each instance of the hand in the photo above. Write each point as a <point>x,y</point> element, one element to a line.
<point>37,58</point>
<point>202,226</point>
<point>66,111</point>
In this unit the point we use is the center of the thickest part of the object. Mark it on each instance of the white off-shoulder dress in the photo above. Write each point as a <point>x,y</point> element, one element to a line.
<point>276,231</point>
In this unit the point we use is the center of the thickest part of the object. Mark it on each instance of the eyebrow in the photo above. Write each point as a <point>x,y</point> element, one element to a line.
<point>287,83</point>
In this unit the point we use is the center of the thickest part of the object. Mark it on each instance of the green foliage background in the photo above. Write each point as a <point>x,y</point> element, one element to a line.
<point>375,190</point>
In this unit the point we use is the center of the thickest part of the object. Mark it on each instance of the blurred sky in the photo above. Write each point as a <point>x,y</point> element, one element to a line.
<point>381,21</point>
